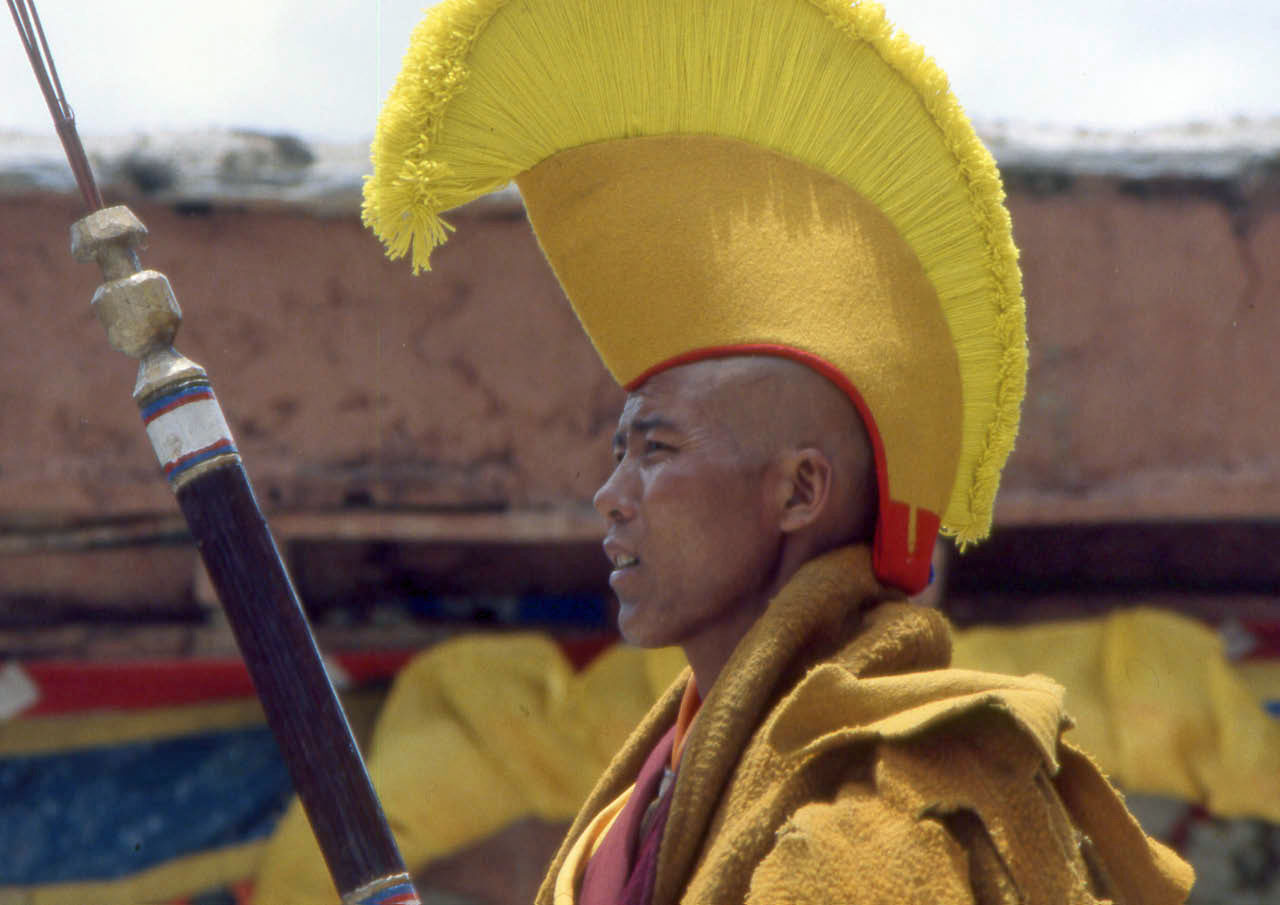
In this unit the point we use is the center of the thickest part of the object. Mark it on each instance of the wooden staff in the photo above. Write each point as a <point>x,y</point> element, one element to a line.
<point>198,454</point>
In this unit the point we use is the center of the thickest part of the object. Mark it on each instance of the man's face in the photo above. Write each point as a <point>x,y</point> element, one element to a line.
<point>692,534</point>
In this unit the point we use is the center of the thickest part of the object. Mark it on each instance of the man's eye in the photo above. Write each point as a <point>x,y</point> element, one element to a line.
<point>656,446</point>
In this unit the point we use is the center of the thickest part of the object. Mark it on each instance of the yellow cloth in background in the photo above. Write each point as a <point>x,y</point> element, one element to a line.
<point>1155,702</point>
<point>477,733</point>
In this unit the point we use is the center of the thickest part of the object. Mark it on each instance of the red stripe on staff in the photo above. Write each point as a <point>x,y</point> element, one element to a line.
<point>222,444</point>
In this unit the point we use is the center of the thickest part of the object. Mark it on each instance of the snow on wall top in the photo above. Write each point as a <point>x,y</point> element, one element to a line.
<point>230,166</point>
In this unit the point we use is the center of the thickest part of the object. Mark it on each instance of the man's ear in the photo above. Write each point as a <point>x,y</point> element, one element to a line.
<point>805,488</point>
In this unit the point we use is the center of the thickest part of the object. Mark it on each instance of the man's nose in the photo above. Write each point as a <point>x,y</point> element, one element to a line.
<point>613,500</point>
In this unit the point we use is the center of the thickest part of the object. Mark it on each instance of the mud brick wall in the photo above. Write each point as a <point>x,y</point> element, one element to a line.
<point>353,386</point>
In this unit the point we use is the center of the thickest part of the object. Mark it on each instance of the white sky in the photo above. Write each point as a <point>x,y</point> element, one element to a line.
<point>319,68</point>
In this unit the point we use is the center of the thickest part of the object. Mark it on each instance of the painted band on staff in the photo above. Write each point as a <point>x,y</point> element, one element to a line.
<point>401,893</point>
<point>187,429</point>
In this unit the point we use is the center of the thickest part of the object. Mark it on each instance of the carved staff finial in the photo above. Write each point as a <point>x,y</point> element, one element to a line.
<point>141,315</point>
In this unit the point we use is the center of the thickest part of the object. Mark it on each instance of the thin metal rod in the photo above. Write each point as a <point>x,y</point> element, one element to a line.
<point>36,45</point>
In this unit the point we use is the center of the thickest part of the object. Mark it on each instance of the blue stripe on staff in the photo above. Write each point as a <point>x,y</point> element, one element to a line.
<point>171,401</point>
<point>192,459</point>
<point>400,894</point>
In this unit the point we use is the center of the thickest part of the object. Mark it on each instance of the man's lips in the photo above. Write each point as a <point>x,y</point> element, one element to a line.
<point>620,556</point>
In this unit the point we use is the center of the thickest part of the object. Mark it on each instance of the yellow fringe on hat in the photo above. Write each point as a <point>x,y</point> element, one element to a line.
<point>491,88</point>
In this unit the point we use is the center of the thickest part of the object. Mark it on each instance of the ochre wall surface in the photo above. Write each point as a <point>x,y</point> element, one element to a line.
<point>1154,326</point>
<point>1154,387</point>
<point>344,378</point>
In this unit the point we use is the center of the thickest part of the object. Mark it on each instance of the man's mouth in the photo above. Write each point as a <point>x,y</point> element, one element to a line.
<point>624,561</point>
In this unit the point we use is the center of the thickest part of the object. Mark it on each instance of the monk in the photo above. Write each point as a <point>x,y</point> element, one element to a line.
<point>786,241</point>
<point>817,750</point>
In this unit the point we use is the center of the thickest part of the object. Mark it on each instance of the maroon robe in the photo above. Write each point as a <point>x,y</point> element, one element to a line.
<point>623,869</point>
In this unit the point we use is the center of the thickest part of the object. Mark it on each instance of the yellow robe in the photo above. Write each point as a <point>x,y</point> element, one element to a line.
<point>837,760</point>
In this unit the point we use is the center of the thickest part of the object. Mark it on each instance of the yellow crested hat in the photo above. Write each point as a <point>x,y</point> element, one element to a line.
<point>727,177</point>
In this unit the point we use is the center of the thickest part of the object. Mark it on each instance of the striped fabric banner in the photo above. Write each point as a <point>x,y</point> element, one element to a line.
<point>148,781</point>
<point>105,812</point>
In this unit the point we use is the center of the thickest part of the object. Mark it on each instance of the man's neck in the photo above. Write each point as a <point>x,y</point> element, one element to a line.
<point>710,650</point>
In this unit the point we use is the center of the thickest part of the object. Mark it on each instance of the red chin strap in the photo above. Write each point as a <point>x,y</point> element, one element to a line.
<point>901,558</point>
<point>898,558</point>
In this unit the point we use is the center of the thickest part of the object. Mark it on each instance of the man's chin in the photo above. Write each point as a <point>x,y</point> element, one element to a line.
<point>634,631</point>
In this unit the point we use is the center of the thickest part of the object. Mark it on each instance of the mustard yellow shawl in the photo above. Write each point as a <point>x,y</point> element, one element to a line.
<point>837,760</point>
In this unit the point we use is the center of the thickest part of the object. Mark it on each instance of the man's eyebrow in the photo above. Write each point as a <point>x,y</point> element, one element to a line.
<point>640,426</point>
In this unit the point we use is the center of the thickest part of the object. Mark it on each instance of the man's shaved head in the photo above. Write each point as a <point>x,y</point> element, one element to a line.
<point>772,405</point>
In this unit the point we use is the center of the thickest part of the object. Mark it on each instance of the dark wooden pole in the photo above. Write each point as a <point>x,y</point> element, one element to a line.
<point>191,439</point>
<point>280,652</point>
